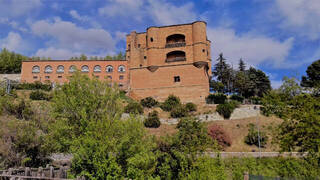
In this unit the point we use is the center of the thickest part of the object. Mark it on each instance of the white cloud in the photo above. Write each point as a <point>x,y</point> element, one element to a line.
<point>56,53</point>
<point>75,15</point>
<point>13,42</point>
<point>166,13</point>
<point>69,36</point>
<point>121,36</point>
<point>125,8</point>
<point>301,16</point>
<point>13,24</point>
<point>15,8</point>
<point>254,49</point>
<point>275,84</point>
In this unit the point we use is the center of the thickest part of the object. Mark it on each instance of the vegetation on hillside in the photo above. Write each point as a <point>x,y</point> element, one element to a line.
<point>10,62</point>
<point>84,118</point>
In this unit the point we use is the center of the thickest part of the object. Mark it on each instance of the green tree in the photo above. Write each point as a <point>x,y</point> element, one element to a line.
<point>83,57</point>
<point>10,62</point>
<point>223,72</point>
<point>258,83</point>
<point>87,114</point>
<point>290,87</point>
<point>313,75</point>
<point>240,82</point>
<point>242,65</point>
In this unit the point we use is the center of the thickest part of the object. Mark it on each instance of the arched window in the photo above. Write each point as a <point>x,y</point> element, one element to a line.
<point>85,68</point>
<point>48,69</point>
<point>176,40</point>
<point>176,56</point>
<point>60,69</point>
<point>121,68</point>
<point>109,69</point>
<point>97,68</point>
<point>72,68</point>
<point>35,69</point>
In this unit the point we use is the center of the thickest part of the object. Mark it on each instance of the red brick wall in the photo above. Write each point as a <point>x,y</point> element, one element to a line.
<point>142,52</point>
<point>28,76</point>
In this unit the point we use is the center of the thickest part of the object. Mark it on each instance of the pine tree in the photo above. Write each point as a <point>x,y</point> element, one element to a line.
<point>223,72</point>
<point>242,65</point>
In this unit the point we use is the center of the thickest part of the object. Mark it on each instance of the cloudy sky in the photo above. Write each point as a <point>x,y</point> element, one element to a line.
<point>281,37</point>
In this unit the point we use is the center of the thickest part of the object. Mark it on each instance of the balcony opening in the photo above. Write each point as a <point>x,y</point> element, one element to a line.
<point>176,40</point>
<point>176,56</point>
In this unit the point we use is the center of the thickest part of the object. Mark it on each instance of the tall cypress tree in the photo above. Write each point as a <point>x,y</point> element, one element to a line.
<point>242,65</point>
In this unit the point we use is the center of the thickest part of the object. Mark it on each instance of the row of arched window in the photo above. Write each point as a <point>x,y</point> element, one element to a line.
<point>72,68</point>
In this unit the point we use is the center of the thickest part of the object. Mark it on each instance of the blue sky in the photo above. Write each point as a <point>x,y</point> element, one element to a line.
<point>281,37</point>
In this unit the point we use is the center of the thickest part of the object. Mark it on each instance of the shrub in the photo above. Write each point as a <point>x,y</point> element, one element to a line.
<point>39,95</point>
<point>179,112</point>
<point>134,108</point>
<point>20,108</point>
<point>216,98</point>
<point>171,102</point>
<point>190,107</point>
<point>236,97</point>
<point>153,120</point>
<point>227,108</point>
<point>33,86</point>
<point>148,102</point>
<point>217,133</point>
<point>255,100</point>
<point>252,137</point>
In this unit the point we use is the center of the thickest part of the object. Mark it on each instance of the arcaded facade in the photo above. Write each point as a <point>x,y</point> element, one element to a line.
<point>58,71</point>
<point>170,60</point>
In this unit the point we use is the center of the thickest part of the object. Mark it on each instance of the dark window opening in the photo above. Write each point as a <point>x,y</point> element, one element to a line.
<point>176,40</point>
<point>120,85</point>
<point>176,56</point>
<point>35,77</point>
<point>59,77</point>
<point>177,79</point>
<point>203,50</point>
<point>139,45</point>
<point>97,77</point>
<point>120,77</point>
<point>151,39</point>
<point>128,46</point>
<point>145,57</point>
<point>109,77</point>
<point>47,77</point>
<point>140,65</point>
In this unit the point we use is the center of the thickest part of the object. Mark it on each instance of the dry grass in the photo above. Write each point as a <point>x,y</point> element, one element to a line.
<point>236,129</point>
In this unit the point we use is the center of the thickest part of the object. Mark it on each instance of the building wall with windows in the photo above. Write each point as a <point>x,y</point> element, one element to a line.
<point>58,71</point>
<point>170,60</point>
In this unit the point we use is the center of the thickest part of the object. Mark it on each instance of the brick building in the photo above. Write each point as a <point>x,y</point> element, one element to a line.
<point>57,71</point>
<point>161,61</point>
<point>170,60</point>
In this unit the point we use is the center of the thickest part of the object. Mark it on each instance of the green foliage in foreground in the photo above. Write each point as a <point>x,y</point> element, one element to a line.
<point>271,167</point>
<point>152,121</point>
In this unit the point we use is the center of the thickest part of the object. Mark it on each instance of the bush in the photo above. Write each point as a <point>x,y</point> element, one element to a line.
<point>190,107</point>
<point>179,112</point>
<point>252,137</point>
<point>39,95</point>
<point>227,108</point>
<point>148,102</point>
<point>33,86</point>
<point>153,120</point>
<point>255,100</point>
<point>216,98</point>
<point>134,108</point>
<point>217,133</point>
<point>171,102</point>
<point>236,97</point>
<point>20,108</point>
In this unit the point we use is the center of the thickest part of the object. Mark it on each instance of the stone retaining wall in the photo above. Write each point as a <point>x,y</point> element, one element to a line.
<point>14,77</point>
<point>245,111</point>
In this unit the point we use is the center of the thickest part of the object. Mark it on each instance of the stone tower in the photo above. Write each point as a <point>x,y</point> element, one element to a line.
<point>168,60</point>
